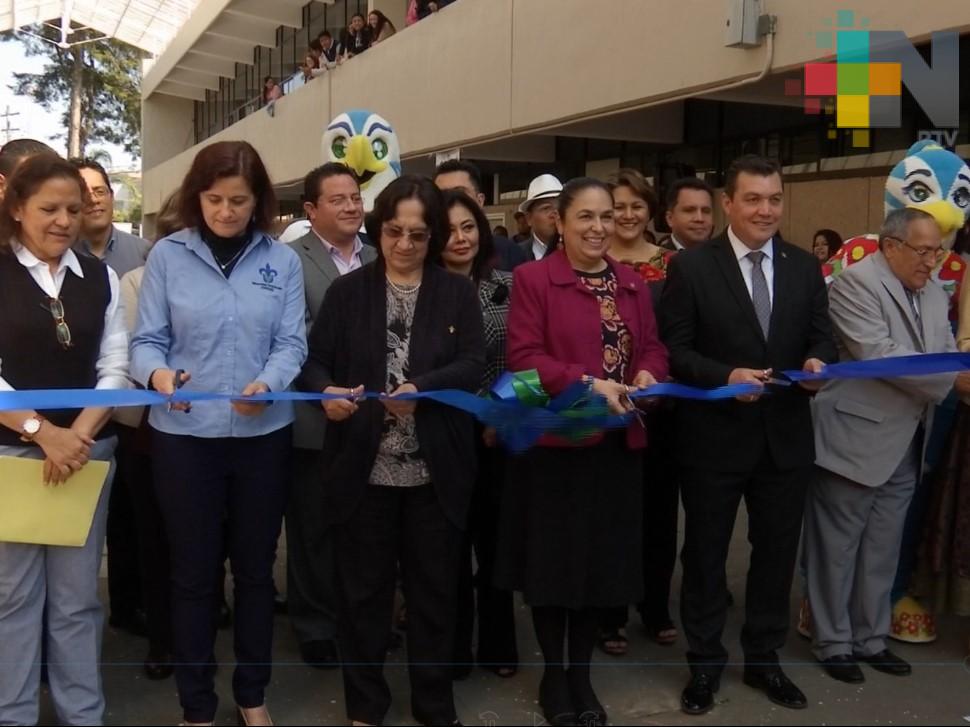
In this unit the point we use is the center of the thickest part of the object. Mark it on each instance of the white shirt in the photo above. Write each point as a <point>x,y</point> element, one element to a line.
<point>538,248</point>
<point>343,266</point>
<point>112,363</point>
<point>767,262</point>
<point>676,242</point>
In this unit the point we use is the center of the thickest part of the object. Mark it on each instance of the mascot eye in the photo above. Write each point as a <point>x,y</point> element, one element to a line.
<point>962,198</point>
<point>380,149</point>
<point>339,148</point>
<point>917,191</point>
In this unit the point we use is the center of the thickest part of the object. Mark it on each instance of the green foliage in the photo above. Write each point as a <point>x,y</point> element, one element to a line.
<point>110,80</point>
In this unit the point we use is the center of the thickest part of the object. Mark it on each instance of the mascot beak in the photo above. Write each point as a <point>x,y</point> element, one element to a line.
<point>360,158</point>
<point>947,216</point>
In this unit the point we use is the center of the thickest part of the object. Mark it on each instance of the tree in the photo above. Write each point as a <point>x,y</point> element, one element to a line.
<point>99,79</point>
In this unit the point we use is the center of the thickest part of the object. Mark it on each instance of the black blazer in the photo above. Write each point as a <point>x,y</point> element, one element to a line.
<point>710,327</point>
<point>348,347</point>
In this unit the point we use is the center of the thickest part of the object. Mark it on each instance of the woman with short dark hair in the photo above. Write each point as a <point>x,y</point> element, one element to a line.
<point>398,474</point>
<point>571,522</point>
<point>469,252</point>
<point>61,327</point>
<point>222,310</point>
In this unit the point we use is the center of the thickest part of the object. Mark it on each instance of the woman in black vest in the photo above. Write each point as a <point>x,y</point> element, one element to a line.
<point>398,476</point>
<point>60,328</point>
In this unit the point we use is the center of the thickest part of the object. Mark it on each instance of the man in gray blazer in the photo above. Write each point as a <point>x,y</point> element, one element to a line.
<point>869,442</point>
<point>330,249</point>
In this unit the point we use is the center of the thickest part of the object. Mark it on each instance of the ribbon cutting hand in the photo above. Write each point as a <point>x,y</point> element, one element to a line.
<point>339,409</point>
<point>167,381</point>
<point>251,408</point>
<point>813,366</point>
<point>401,408</point>
<point>962,384</point>
<point>757,377</point>
<point>617,395</point>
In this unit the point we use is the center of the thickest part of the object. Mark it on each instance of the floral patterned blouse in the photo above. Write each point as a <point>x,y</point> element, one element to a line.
<point>398,462</point>
<point>617,339</point>
<point>653,269</point>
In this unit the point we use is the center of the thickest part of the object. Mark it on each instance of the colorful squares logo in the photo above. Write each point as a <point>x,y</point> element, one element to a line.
<point>851,111</point>
<point>866,94</point>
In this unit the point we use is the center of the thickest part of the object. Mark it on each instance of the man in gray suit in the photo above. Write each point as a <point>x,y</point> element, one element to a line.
<point>330,249</point>
<point>869,442</point>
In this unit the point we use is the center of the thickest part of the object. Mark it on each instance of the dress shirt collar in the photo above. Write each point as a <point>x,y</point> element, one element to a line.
<point>677,243</point>
<point>334,251</point>
<point>68,260</point>
<point>741,250</point>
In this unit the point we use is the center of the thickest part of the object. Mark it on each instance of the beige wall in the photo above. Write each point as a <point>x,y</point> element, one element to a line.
<point>485,70</point>
<point>167,124</point>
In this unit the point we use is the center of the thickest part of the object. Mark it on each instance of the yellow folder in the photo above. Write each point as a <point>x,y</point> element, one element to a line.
<point>32,512</point>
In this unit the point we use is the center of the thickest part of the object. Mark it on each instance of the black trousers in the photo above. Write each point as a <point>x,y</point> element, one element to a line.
<point>135,466</point>
<point>236,485</point>
<point>775,501</point>
<point>124,576</point>
<point>395,525</point>
<point>661,501</point>
<point>494,606</point>
<point>310,589</point>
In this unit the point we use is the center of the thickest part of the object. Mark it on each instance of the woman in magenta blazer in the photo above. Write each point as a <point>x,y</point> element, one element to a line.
<point>570,530</point>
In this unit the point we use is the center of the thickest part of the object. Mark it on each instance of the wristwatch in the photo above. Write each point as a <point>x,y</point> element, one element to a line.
<point>30,427</point>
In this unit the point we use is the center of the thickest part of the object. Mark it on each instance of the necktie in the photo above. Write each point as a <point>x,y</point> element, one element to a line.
<point>759,291</point>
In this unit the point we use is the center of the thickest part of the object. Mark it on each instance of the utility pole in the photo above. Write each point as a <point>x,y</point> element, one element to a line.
<point>7,128</point>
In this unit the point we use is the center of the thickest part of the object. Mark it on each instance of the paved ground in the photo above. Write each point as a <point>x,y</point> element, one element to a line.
<point>642,688</point>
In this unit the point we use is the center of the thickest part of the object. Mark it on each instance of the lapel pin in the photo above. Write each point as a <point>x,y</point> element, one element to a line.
<point>451,329</point>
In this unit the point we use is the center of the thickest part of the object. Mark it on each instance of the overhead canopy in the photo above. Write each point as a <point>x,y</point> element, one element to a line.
<point>146,24</point>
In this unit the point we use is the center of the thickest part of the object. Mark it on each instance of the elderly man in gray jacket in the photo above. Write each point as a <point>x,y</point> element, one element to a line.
<point>869,442</point>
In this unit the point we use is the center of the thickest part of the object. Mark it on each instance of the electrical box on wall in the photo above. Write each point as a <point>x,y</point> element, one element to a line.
<point>742,24</point>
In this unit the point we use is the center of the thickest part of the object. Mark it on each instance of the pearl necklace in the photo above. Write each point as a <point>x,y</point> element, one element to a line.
<point>403,289</point>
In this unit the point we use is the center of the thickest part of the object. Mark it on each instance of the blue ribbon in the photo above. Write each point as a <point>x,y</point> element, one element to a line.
<point>519,424</point>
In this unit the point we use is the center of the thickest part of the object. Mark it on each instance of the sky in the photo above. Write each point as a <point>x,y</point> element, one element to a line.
<point>33,120</point>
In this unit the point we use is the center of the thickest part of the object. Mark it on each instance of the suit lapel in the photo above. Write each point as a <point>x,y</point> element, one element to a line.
<point>895,290</point>
<point>724,254</point>
<point>779,299</point>
<point>319,256</point>
<point>419,350</point>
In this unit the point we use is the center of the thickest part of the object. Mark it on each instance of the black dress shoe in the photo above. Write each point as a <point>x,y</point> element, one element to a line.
<point>589,710</point>
<point>555,699</point>
<point>280,604</point>
<point>777,686</point>
<point>698,695</point>
<point>134,622</point>
<point>888,663</point>
<point>843,668</point>
<point>224,618</point>
<point>320,654</point>
<point>158,666</point>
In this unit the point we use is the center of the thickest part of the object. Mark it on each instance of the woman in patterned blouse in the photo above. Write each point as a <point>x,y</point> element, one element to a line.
<point>570,527</point>
<point>398,475</point>
<point>634,205</point>
<point>470,252</point>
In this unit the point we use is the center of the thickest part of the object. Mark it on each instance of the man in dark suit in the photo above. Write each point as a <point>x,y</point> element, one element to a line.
<point>734,311</point>
<point>330,249</point>
<point>463,175</point>
<point>690,214</point>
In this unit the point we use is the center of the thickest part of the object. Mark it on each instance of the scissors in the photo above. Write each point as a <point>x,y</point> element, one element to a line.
<point>176,385</point>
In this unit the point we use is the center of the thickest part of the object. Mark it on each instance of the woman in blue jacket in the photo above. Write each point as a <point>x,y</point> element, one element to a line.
<point>222,310</point>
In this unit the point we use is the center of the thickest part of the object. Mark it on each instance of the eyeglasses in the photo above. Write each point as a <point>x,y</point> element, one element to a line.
<point>924,253</point>
<point>395,234</point>
<point>60,325</point>
<point>100,193</point>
